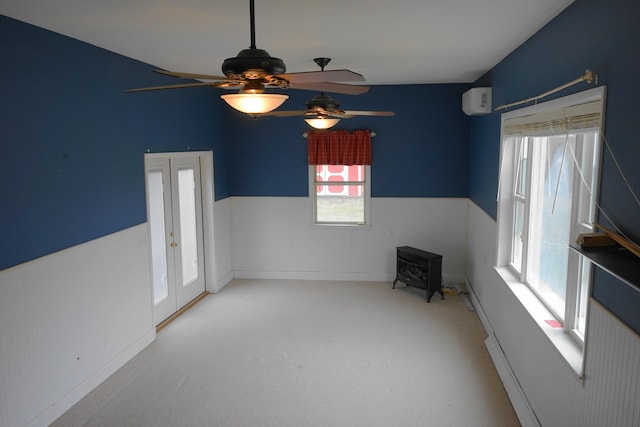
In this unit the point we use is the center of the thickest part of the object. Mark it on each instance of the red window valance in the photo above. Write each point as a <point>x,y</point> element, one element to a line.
<point>339,147</point>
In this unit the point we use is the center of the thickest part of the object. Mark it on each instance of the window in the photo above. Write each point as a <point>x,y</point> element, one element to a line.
<point>550,157</point>
<point>339,176</point>
<point>340,194</point>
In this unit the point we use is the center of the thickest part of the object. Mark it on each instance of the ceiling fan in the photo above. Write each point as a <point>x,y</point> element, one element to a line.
<point>323,111</point>
<point>254,70</point>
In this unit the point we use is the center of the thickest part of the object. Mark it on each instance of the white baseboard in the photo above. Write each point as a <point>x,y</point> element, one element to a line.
<point>63,404</point>
<point>324,275</point>
<point>312,275</point>
<point>476,303</point>
<point>519,401</point>
<point>452,278</point>
<point>222,282</point>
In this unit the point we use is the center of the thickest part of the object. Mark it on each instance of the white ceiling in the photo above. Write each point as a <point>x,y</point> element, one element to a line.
<point>389,42</point>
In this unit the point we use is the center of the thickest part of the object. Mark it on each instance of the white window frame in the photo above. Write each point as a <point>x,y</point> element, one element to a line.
<point>573,328</point>
<point>367,200</point>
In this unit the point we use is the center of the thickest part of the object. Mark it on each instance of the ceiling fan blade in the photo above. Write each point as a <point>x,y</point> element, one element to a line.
<point>323,76</point>
<point>190,75</point>
<point>339,115</point>
<point>143,89</point>
<point>331,87</point>
<point>281,113</point>
<point>369,113</point>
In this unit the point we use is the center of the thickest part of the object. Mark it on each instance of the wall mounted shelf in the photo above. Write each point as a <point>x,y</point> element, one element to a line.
<point>617,261</point>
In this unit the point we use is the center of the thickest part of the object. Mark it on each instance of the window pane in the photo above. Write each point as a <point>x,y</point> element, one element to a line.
<point>339,173</point>
<point>188,230</point>
<point>583,296</point>
<point>517,241</point>
<point>587,154</point>
<point>521,167</point>
<point>339,193</point>
<point>340,203</point>
<point>550,222</point>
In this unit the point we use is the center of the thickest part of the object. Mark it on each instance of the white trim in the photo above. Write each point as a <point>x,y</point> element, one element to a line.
<point>313,275</point>
<point>223,281</point>
<point>208,214</point>
<point>177,154</point>
<point>329,275</point>
<point>367,200</point>
<point>570,350</point>
<point>208,202</point>
<point>521,406</point>
<point>62,405</point>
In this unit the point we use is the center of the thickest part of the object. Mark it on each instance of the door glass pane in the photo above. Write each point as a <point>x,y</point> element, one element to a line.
<point>158,242</point>
<point>551,221</point>
<point>188,232</point>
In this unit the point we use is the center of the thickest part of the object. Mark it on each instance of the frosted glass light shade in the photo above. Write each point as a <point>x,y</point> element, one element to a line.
<point>254,103</point>
<point>322,123</point>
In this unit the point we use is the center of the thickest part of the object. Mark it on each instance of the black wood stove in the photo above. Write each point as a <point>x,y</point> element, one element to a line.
<point>420,269</point>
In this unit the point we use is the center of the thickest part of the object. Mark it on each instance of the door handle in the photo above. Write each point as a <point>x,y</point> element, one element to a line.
<point>174,244</point>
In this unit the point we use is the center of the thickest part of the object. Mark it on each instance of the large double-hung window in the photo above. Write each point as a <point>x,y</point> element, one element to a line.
<point>549,174</point>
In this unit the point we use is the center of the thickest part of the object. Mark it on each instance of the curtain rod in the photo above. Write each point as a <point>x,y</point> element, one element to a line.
<point>306,134</point>
<point>588,77</point>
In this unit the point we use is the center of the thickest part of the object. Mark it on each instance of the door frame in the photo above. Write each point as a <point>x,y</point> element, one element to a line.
<point>208,189</point>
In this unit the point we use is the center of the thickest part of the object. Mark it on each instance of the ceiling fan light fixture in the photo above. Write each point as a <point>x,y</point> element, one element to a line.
<point>322,122</point>
<point>251,103</point>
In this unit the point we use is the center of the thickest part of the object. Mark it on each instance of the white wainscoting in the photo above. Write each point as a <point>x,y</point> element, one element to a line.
<point>221,260</point>
<point>273,238</point>
<point>610,393</point>
<point>68,321</point>
<point>71,319</point>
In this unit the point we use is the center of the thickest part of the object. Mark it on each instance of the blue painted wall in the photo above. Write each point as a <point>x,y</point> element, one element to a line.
<point>420,152</point>
<point>72,142</point>
<point>601,35</point>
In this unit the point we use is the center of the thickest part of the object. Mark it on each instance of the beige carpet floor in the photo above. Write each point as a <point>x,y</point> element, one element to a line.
<point>308,353</point>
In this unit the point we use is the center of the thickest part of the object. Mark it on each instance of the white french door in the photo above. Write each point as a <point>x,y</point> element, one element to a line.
<point>174,199</point>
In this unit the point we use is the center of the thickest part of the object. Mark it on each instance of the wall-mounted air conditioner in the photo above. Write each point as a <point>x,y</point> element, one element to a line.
<point>476,101</point>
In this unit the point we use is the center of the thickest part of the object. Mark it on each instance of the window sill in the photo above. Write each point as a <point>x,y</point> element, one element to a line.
<point>570,350</point>
<point>328,224</point>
